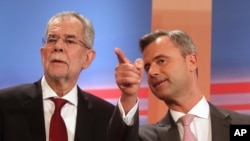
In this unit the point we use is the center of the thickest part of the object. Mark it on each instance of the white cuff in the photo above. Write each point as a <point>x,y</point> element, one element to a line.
<point>129,118</point>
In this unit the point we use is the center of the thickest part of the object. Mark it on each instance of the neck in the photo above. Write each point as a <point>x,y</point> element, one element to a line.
<point>185,103</point>
<point>60,86</point>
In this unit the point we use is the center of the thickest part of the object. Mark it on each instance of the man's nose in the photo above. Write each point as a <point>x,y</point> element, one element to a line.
<point>153,70</point>
<point>60,45</point>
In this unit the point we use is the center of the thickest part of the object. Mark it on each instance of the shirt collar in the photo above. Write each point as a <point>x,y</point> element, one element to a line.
<point>48,92</point>
<point>201,110</point>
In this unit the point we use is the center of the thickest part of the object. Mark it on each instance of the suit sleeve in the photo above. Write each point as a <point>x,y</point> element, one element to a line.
<point>119,131</point>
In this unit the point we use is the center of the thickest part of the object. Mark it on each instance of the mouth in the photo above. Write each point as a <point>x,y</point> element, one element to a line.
<point>157,83</point>
<point>56,61</point>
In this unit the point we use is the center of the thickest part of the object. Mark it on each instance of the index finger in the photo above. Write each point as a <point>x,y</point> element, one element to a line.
<point>121,56</point>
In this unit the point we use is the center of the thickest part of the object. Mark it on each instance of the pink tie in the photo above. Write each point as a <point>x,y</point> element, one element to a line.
<point>58,131</point>
<point>186,120</point>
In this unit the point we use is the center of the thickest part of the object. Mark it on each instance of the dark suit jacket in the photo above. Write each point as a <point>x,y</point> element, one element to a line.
<point>22,117</point>
<point>167,130</point>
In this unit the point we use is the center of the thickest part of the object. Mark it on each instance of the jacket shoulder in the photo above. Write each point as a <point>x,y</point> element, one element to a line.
<point>232,116</point>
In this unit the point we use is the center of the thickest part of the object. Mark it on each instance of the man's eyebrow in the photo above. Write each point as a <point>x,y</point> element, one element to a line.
<point>69,36</point>
<point>65,36</point>
<point>160,56</point>
<point>156,58</point>
<point>52,35</point>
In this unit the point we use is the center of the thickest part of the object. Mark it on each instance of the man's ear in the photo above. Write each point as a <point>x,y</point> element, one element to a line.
<point>42,53</point>
<point>192,61</point>
<point>90,55</point>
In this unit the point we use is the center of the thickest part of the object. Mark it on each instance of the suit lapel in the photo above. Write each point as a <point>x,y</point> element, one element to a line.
<point>84,120</point>
<point>168,129</point>
<point>220,124</point>
<point>35,115</point>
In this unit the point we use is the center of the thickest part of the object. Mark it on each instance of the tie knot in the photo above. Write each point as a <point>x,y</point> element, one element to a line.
<point>186,119</point>
<point>59,102</point>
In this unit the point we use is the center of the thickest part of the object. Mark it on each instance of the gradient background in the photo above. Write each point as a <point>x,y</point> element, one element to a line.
<point>121,24</point>
<point>230,70</point>
<point>116,23</point>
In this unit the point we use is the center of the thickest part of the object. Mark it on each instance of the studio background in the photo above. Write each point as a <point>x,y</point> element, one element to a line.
<point>117,24</point>
<point>222,41</point>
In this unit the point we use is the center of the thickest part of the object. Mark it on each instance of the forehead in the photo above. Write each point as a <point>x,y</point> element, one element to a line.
<point>162,46</point>
<point>67,26</point>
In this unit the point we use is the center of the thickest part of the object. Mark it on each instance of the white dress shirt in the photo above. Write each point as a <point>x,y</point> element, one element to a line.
<point>129,118</point>
<point>68,111</point>
<point>201,125</point>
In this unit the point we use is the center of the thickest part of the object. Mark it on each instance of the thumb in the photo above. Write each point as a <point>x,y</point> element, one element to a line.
<point>139,64</point>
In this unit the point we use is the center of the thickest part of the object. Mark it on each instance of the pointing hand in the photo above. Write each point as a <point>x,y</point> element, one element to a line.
<point>128,77</point>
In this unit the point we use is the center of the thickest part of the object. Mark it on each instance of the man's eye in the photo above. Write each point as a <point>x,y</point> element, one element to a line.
<point>69,41</point>
<point>51,40</point>
<point>161,61</point>
<point>146,68</point>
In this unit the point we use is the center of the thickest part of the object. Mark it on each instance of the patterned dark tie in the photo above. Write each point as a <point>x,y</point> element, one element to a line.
<point>186,120</point>
<point>58,131</point>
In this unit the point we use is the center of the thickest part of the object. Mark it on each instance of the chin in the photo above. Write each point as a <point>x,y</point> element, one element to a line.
<point>57,76</point>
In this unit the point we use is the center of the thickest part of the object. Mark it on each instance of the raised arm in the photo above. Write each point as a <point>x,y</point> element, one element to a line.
<point>128,78</point>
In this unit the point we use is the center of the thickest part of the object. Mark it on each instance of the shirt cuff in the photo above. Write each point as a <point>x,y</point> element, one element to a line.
<point>129,118</point>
